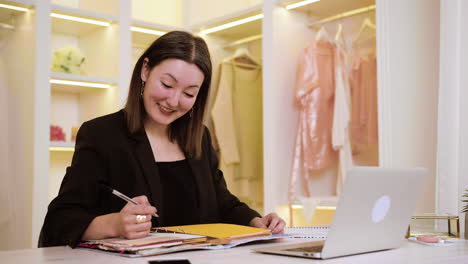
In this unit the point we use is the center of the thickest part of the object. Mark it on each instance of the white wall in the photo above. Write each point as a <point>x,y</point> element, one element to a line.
<point>408,70</point>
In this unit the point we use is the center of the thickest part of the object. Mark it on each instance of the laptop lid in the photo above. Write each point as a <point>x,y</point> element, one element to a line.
<point>373,213</point>
<point>374,210</point>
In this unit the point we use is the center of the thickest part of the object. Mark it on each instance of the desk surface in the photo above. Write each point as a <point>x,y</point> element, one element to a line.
<point>409,253</point>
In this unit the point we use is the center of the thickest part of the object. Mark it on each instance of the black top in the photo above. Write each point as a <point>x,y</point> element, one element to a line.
<point>107,153</point>
<point>179,193</point>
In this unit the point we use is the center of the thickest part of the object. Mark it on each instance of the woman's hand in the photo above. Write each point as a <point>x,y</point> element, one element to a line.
<point>134,221</point>
<point>270,221</point>
<point>123,223</point>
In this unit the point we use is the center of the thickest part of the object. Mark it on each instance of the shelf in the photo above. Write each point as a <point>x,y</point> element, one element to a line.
<point>110,7</point>
<point>7,15</point>
<point>81,80</point>
<point>143,40</point>
<point>62,146</point>
<point>71,27</point>
<point>327,8</point>
<point>236,32</point>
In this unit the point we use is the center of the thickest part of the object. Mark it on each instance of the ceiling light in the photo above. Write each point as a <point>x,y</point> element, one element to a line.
<point>301,3</point>
<point>14,7</point>
<point>79,19</point>
<point>148,31</point>
<point>231,24</point>
<point>77,83</point>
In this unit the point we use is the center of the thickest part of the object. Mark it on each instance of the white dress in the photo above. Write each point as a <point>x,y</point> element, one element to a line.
<point>342,113</point>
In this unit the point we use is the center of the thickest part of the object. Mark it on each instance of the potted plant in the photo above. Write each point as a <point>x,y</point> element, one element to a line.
<point>465,210</point>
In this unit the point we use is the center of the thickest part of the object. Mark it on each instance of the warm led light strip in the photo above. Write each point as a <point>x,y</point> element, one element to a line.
<point>62,149</point>
<point>79,19</point>
<point>231,24</point>
<point>14,7</point>
<point>147,31</point>
<point>301,3</point>
<point>85,84</point>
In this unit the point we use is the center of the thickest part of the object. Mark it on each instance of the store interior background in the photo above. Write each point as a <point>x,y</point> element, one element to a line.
<point>421,86</point>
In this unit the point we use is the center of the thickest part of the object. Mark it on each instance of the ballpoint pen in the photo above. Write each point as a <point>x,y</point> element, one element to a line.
<point>123,196</point>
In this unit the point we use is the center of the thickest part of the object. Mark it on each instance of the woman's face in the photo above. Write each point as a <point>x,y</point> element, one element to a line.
<point>171,89</point>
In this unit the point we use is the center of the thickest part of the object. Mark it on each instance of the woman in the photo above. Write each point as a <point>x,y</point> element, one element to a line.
<point>155,150</point>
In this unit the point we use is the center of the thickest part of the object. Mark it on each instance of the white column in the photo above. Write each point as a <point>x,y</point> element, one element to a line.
<point>408,70</point>
<point>285,35</point>
<point>452,163</point>
<point>125,50</point>
<point>41,116</point>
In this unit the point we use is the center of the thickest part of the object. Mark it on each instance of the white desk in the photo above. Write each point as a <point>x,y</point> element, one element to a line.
<point>410,253</point>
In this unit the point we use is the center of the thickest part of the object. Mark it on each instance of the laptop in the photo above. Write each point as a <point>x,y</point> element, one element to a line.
<point>373,213</point>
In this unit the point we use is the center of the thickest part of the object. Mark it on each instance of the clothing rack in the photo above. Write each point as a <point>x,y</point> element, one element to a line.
<point>243,41</point>
<point>343,15</point>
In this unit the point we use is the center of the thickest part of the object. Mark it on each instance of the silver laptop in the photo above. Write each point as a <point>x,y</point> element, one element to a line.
<point>373,213</point>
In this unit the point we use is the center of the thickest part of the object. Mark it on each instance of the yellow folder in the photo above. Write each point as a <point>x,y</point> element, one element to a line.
<point>230,231</point>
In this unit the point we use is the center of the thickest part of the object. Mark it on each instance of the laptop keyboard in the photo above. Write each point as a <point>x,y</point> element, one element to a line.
<point>317,248</point>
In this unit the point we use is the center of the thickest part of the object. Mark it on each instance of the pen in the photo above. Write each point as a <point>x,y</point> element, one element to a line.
<point>124,197</point>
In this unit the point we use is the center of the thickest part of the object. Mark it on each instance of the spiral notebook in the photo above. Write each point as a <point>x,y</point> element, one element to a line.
<point>318,232</point>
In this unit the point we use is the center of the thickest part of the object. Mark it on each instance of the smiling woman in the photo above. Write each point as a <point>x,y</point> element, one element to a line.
<point>155,150</point>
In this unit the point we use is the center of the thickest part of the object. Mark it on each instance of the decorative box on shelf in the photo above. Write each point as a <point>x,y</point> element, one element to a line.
<point>434,225</point>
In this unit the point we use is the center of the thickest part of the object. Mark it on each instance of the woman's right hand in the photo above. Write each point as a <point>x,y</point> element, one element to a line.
<point>134,221</point>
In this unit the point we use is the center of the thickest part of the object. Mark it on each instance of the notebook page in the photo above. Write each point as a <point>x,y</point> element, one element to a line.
<point>319,232</point>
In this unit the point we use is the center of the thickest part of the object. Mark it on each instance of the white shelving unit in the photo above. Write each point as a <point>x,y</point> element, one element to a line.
<point>111,52</point>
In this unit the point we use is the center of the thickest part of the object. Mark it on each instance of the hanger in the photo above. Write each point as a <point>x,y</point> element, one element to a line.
<point>322,35</point>
<point>365,27</point>
<point>339,32</point>
<point>244,59</point>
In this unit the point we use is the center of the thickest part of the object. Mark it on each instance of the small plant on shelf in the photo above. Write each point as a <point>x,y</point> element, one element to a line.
<point>465,201</point>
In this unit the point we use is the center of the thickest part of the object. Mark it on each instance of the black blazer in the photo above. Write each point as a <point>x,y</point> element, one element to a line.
<point>106,152</point>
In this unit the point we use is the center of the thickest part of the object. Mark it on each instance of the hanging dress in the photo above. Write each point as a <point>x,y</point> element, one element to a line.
<point>237,121</point>
<point>342,113</point>
<point>364,125</point>
<point>315,96</point>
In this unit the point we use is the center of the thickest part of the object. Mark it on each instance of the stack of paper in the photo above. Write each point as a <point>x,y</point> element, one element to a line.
<point>181,238</point>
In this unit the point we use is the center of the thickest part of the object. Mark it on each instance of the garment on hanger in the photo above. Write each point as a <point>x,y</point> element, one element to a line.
<point>342,111</point>
<point>237,121</point>
<point>322,35</point>
<point>315,95</point>
<point>363,80</point>
<point>366,32</point>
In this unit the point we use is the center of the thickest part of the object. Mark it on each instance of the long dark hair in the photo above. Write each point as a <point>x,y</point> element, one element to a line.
<point>187,130</point>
